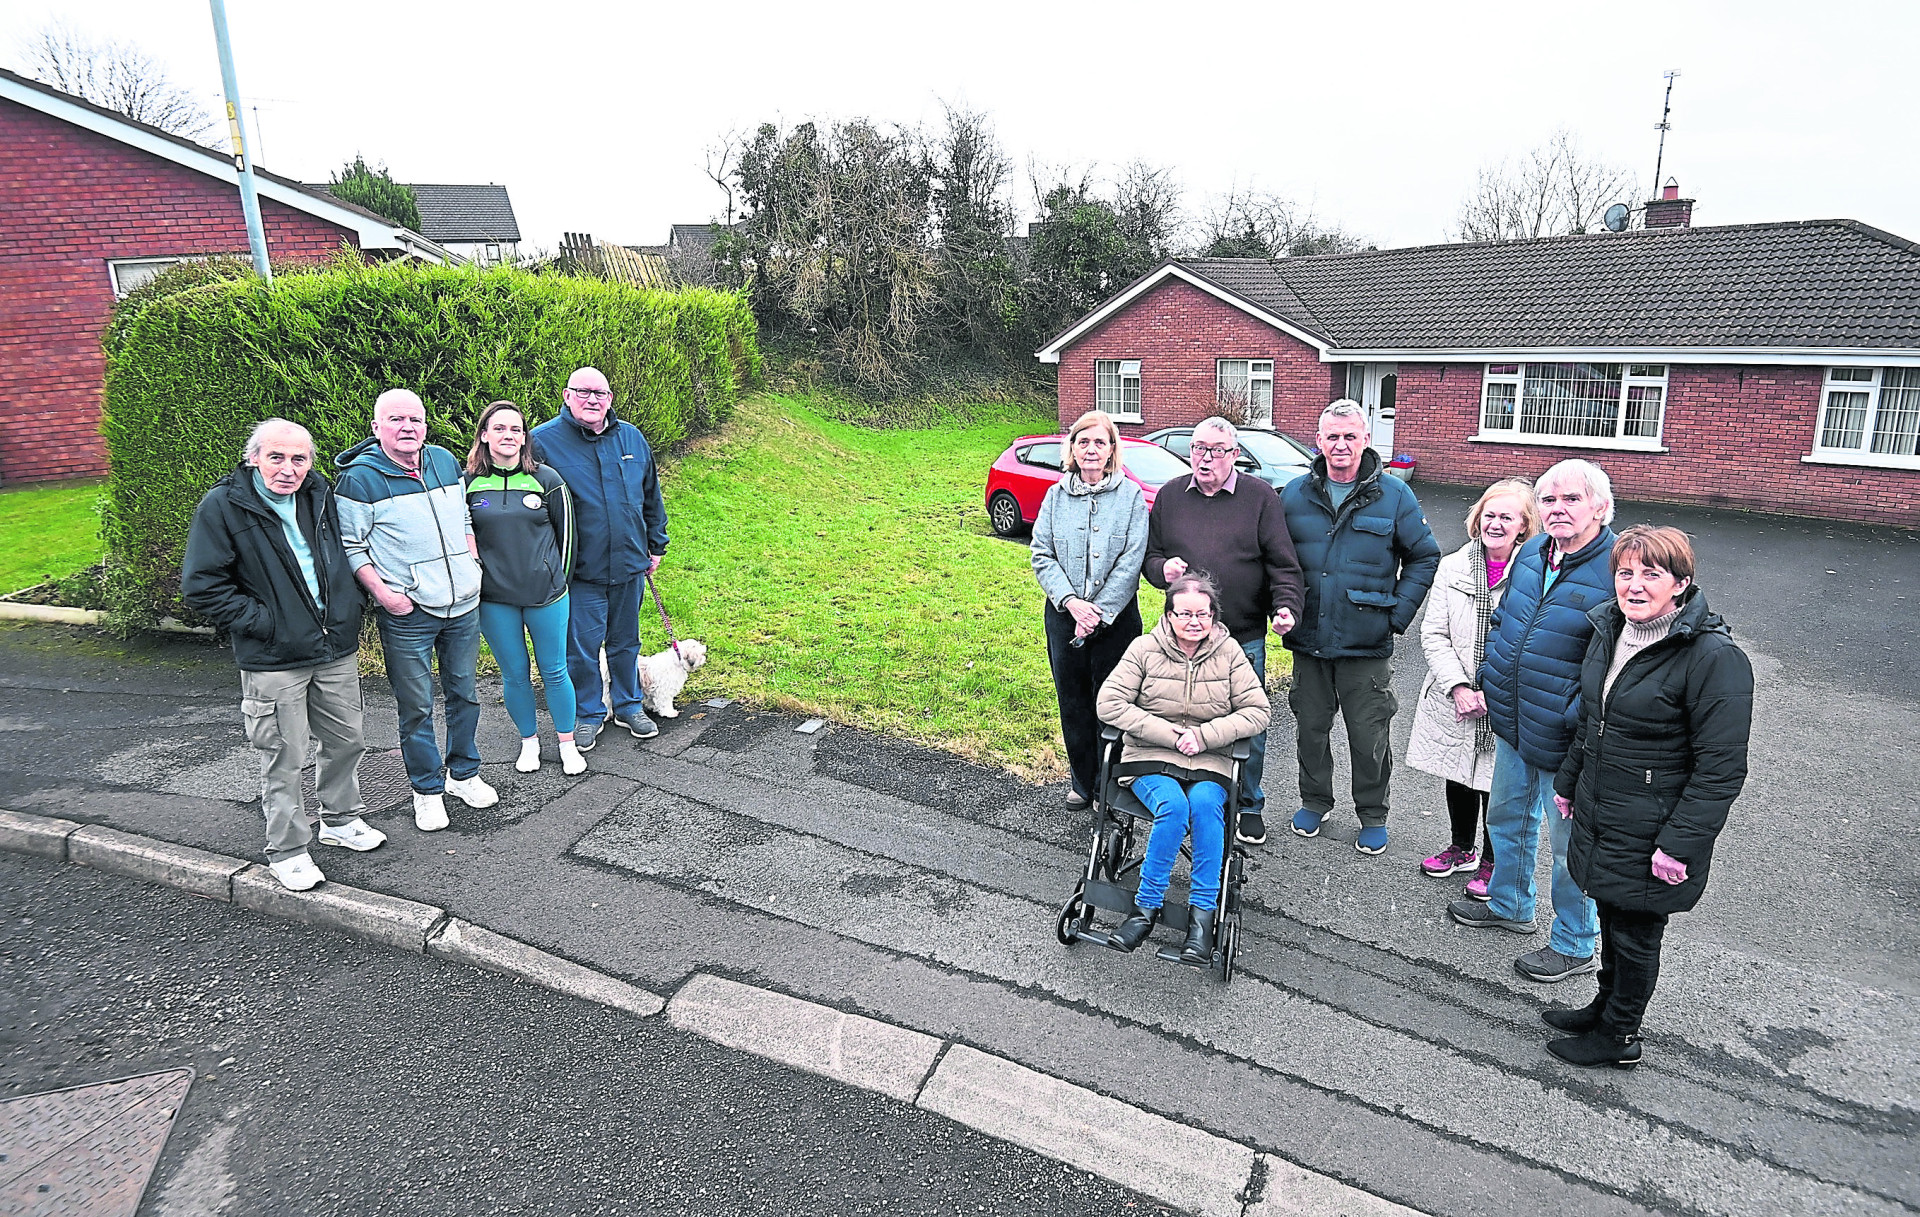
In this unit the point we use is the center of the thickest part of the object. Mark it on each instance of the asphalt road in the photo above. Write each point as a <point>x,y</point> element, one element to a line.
<point>334,1076</point>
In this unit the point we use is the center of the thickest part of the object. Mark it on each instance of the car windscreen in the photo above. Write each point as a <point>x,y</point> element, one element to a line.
<point>1153,465</point>
<point>1273,449</point>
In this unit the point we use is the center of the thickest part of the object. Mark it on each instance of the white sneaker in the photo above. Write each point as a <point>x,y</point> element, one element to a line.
<point>572,763</point>
<point>429,812</point>
<point>529,761</point>
<point>473,791</point>
<point>297,874</point>
<point>356,834</point>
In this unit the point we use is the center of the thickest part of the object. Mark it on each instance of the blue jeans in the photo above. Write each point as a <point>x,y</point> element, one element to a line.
<point>506,627</point>
<point>1202,808</point>
<point>1252,798</point>
<point>410,643</point>
<point>609,616</point>
<point>1522,797</point>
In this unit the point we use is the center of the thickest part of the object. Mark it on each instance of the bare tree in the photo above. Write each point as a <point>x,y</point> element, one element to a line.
<point>1244,223</point>
<point>116,75</point>
<point>1553,190</point>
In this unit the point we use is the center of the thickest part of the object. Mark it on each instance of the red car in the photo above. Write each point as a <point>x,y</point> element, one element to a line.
<point>1031,465</point>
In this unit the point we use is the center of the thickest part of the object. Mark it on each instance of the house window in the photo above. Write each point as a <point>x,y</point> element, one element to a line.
<point>1116,387</point>
<point>1243,389</point>
<point>128,273</point>
<point>1595,404</point>
<point>1871,412</point>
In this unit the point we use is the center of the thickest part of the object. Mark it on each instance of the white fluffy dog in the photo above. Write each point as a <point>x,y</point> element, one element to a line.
<point>662,676</point>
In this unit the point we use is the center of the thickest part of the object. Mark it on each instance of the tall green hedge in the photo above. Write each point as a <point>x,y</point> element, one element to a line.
<point>193,365</point>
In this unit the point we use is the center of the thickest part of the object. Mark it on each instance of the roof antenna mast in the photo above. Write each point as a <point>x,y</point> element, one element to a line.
<point>1664,126</point>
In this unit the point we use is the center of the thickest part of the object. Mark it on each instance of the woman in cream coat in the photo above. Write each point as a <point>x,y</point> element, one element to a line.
<point>1452,738</point>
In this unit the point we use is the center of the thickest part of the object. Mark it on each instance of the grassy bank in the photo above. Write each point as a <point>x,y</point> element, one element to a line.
<point>851,572</point>
<point>47,532</point>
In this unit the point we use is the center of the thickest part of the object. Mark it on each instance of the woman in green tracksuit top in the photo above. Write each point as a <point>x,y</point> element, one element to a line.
<point>523,527</point>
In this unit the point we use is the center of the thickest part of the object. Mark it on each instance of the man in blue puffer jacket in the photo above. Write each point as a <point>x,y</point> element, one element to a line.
<point>620,523</point>
<point>1531,679</point>
<point>1368,558</point>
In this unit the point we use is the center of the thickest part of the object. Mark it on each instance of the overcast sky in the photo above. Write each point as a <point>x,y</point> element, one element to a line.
<point>597,116</point>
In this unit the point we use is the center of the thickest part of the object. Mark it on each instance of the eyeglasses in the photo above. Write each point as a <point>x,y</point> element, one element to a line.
<point>590,394</point>
<point>1214,450</point>
<point>1192,617</point>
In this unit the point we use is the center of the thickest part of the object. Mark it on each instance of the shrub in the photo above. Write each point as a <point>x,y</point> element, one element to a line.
<point>191,371</point>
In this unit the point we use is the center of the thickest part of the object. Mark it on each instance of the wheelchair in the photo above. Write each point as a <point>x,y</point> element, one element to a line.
<point>1121,825</point>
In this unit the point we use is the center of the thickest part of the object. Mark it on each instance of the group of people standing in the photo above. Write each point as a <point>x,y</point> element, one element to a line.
<point>1576,677</point>
<point>548,534</point>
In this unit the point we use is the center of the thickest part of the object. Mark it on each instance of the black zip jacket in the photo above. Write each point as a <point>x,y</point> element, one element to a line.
<point>1659,763</point>
<point>240,574</point>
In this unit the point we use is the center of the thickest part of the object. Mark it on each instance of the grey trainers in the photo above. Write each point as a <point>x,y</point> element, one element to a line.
<point>1477,916</point>
<point>586,733</point>
<point>637,722</point>
<point>1550,967</point>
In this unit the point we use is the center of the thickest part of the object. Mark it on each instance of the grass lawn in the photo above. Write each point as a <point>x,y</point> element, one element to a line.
<point>47,532</point>
<point>851,573</point>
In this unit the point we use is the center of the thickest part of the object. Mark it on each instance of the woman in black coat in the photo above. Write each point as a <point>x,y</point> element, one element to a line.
<point>1666,703</point>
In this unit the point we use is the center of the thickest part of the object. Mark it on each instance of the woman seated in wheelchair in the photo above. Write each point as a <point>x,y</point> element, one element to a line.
<point>1182,694</point>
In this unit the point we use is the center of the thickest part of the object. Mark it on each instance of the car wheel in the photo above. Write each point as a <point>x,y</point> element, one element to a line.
<point>1003,512</point>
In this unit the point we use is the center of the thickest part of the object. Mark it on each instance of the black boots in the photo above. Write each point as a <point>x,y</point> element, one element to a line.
<point>1598,1048</point>
<point>1578,1021</point>
<point>1198,953</point>
<point>1134,930</point>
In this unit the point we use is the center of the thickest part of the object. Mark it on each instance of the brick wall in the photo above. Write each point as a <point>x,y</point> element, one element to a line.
<point>1735,437</point>
<point>1177,331</point>
<point>70,200</point>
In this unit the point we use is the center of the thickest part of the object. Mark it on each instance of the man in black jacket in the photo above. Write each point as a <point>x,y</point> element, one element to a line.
<point>264,562</point>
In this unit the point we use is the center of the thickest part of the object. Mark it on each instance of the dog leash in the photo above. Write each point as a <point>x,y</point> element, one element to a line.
<point>672,642</point>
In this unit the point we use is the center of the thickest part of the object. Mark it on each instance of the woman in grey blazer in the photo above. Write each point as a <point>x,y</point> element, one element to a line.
<point>1089,541</point>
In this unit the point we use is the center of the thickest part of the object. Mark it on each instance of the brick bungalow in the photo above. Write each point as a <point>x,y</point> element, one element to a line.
<point>92,204</point>
<point>1774,367</point>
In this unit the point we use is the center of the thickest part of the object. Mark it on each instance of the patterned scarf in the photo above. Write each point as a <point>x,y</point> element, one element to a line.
<point>1483,620</point>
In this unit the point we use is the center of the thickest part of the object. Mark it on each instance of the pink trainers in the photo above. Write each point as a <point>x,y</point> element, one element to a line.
<point>1477,886</point>
<point>1449,860</point>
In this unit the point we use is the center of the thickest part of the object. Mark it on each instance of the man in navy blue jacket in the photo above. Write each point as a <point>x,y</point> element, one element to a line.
<point>1531,678</point>
<point>1368,559</point>
<point>620,530</point>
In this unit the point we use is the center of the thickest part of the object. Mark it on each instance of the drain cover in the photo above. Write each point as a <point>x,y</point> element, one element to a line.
<point>383,782</point>
<point>86,1149</point>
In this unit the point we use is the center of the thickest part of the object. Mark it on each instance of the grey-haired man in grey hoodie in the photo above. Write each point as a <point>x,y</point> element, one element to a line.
<point>409,538</point>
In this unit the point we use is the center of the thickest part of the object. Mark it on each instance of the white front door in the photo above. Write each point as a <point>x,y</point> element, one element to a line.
<point>1375,386</point>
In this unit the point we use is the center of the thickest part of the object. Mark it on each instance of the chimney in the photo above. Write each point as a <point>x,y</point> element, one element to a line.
<point>1670,210</point>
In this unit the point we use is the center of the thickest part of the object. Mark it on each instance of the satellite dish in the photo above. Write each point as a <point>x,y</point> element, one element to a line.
<point>1616,218</point>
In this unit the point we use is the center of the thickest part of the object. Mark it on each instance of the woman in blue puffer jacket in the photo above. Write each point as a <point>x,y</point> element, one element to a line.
<point>1089,542</point>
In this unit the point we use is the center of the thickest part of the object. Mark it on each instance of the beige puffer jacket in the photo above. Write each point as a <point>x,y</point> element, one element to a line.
<point>1439,744</point>
<point>1156,691</point>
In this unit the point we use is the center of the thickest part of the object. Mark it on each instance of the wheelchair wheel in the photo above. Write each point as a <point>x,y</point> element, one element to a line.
<point>1229,947</point>
<point>1073,911</point>
<point>1117,845</point>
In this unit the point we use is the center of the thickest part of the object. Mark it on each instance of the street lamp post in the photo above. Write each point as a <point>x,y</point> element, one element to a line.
<point>242,162</point>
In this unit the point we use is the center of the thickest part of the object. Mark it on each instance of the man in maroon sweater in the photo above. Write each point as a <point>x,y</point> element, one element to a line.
<point>1231,528</point>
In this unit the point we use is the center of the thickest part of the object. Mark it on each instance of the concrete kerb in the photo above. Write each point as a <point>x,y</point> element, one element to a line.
<point>804,1035</point>
<point>1172,1162</point>
<point>122,853</point>
<point>465,942</point>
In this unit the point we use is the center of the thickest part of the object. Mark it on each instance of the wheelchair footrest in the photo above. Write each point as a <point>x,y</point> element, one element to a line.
<point>1172,955</point>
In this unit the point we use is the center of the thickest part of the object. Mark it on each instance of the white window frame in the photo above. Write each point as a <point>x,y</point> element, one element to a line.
<point>117,266</point>
<point>1869,382</point>
<point>1125,392</point>
<point>1257,372</point>
<point>1633,375</point>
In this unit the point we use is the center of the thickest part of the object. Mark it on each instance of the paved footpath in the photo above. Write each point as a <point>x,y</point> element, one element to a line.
<point>1367,1038</point>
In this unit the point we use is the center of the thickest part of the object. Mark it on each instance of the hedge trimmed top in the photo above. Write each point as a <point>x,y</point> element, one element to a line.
<point>208,351</point>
